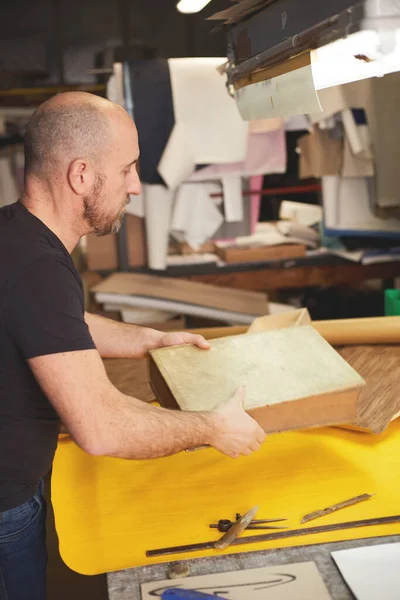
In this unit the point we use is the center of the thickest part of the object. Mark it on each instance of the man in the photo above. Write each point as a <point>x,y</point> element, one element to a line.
<point>81,153</point>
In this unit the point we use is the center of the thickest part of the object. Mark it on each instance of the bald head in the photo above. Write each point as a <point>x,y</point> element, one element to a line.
<point>68,126</point>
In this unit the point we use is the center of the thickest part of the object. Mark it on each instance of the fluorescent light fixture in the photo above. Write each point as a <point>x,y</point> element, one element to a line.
<point>365,54</point>
<point>191,6</point>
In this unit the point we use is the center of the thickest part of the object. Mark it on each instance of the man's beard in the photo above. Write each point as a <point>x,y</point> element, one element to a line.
<point>94,210</point>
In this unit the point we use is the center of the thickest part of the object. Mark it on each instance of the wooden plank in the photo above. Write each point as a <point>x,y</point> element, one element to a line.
<point>102,252</point>
<point>179,290</point>
<point>297,277</point>
<point>237,254</point>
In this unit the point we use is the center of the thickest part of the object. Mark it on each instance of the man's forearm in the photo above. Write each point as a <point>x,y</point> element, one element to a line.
<point>121,340</point>
<point>132,429</point>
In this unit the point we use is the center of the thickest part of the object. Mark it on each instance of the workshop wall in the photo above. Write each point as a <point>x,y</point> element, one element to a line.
<point>77,32</point>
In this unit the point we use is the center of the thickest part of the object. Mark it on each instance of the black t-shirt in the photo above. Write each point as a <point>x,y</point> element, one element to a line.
<point>41,312</point>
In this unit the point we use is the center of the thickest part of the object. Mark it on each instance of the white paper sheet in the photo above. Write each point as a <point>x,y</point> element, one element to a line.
<point>195,215</point>
<point>158,207</point>
<point>347,203</point>
<point>201,102</point>
<point>371,572</point>
<point>177,162</point>
<point>115,85</point>
<point>233,199</point>
<point>299,212</point>
<point>287,95</point>
<point>300,581</point>
<point>136,206</point>
<point>208,127</point>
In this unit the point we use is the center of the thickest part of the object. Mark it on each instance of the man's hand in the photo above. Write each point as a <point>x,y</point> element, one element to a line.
<point>183,337</point>
<point>236,432</point>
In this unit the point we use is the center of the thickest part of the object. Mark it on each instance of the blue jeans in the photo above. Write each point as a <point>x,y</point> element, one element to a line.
<point>23,555</point>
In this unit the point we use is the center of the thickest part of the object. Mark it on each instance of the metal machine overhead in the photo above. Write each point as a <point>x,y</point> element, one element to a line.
<point>358,39</point>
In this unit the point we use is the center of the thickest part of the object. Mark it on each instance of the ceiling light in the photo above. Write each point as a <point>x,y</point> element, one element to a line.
<point>191,6</point>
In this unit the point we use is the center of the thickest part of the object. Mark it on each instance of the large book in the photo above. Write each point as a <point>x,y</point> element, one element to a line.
<point>294,379</point>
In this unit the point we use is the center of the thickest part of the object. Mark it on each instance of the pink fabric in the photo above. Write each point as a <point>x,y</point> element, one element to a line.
<point>266,153</point>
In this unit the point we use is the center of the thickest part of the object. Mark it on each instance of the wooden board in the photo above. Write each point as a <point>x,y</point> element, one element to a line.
<point>102,254</point>
<point>136,241</point>
<point>179,290</point>
<point>130,377</point>
<point>281,277</point>
<point>237,254</point>
<point>380,398</point>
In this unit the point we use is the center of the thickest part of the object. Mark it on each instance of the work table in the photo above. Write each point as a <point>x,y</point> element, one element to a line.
<point>125,585</point>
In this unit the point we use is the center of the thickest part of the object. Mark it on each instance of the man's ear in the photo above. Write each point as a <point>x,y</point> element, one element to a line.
<point>80,177</point>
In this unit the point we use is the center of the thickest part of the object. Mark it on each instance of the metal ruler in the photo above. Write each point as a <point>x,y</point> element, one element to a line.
<point>276,536</point>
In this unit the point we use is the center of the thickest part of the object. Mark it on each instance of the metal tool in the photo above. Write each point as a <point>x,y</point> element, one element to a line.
<point>181,594</point>
<point>225,525</point>
<point>330,509</point>
<point>236,529</point>
<point>279,535</point>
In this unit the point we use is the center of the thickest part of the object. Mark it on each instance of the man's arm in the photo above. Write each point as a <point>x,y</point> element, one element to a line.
<point>103,421</point>
<point>122,340</point>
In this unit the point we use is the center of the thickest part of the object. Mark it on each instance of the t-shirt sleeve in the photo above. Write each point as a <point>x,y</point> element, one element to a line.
<point>44,309</point>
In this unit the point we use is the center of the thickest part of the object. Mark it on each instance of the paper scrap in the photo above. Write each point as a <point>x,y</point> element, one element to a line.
<point>233,199</point>
<point>177,162</point>
<point>265,125</point>
<point>195,215</point>
<point>371,572</point>
<point>158,207</point>
<point>136,205</point>
<point>348,202</point>
<point>285,582</point>
<point>286,95</point>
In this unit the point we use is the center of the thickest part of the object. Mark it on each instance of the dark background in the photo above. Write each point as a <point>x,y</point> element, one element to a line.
<point>57,41</point>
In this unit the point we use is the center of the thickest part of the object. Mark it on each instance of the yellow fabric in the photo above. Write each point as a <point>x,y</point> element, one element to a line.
<point>110,511</point>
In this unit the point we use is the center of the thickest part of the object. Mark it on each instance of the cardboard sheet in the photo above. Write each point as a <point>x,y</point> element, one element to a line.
<point>371,572</point>
<point>356,166</point>
<point>320,154</point>
<point>108,511</point>
<point>301,581</point>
